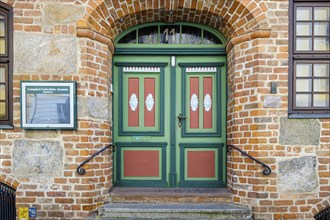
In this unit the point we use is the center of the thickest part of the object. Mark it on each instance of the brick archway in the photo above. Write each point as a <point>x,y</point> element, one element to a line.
<point>9,181</point>
<point>243,23</point>
<point>320,206</point>
<point>238,20</point>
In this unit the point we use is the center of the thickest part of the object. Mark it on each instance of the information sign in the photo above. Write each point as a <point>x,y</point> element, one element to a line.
<point>48,105</point>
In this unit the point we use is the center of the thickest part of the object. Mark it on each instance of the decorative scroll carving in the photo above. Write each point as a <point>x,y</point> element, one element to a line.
<point>194,102</point>
<point>150,102</point>
<point>207,102</point>
<point>133,102</point>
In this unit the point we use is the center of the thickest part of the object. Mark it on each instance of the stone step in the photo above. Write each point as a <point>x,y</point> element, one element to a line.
<point>170,195</point>
<point>192,211</point>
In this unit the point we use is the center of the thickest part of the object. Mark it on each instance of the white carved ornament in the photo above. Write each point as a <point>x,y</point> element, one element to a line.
<point>173,61</point>
<point>200,69</point>
<point>141,69</point>
<point>133,102</point>
<point>207,102</point>
<point>194,102</point>
<point>150,102</point>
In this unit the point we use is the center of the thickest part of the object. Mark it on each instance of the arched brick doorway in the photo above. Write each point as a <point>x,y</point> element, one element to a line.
<point>8,187</point>
<point>243,23</point>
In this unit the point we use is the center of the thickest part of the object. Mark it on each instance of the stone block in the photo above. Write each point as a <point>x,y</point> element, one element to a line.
<point>31,158</point>
<point>298,175</point>
<point>45,54</point>
<point>82,109</point>
<point>40,134</point>
<point>262,119</point>
<point>98,107</point>
<point>299,132</point>
<point>62,13</point>
<point>93,107</point>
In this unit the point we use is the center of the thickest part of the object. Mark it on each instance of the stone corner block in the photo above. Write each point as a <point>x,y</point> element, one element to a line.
<point>62,13</point>
<point>41,134</point>
<point>35,158</point>
<point>297,175</point>
<point>45,54</point>
<point>94,107</point>
<point>299,131</point>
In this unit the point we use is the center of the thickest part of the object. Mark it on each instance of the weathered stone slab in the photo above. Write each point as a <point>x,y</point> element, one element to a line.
<point>299,131</point>
<point>41,134</point>
<point>94,107</point>
<point>82,109</point>
<point>46,54</point>
<point>98,107</point>
<point>298,175</point>
<point>32,158</point>
<point>62,13</point>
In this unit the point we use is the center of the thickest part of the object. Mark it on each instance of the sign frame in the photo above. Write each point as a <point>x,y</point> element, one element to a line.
<point>63,110</point>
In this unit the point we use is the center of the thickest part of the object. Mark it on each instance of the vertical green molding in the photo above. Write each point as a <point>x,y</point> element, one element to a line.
<point>173,174</point>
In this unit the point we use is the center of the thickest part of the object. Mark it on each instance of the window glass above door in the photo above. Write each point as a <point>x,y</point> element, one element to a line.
<point>166,34</point>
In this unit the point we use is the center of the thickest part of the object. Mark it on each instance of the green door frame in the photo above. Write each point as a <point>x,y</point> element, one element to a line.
<point>173,50</point>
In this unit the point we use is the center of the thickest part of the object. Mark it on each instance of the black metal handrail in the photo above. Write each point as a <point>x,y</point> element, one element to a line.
<point>7,202</point>
<point>81,170</point>
<point>267,170</point>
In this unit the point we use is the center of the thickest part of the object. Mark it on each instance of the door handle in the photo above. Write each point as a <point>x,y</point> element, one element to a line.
<point>180,118</point>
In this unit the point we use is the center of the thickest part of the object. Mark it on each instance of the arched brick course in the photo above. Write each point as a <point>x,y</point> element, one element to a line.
<point>320,206</point>
<point>232,18</point>
<point>9,181</point>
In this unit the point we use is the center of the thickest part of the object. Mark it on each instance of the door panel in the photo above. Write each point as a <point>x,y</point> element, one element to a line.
<point>141,164</point>
<point>141,157</point>
<point>169,121</point>
<point>201,139</point>
<point>141,99</point>
<point>201,102</point>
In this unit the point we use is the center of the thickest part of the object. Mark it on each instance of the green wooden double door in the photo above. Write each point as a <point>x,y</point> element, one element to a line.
<point>169,121</point>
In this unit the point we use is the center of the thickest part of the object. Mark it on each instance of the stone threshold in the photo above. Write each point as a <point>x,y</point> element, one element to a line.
<point>174,211</point>
<point>170,195</point>
<point>143,191</point>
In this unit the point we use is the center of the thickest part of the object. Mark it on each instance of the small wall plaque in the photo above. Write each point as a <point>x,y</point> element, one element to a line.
<point>32,212</point>
<point>48,104</point>
<point>23,213</point>
<point>272,101</point>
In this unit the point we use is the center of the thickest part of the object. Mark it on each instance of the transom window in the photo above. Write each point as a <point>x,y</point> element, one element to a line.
<point>6,63</point>
<point>310,59</point>
<point>170,34</point>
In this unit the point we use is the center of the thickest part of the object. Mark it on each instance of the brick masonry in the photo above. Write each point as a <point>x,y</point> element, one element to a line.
<point>257,35</point>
